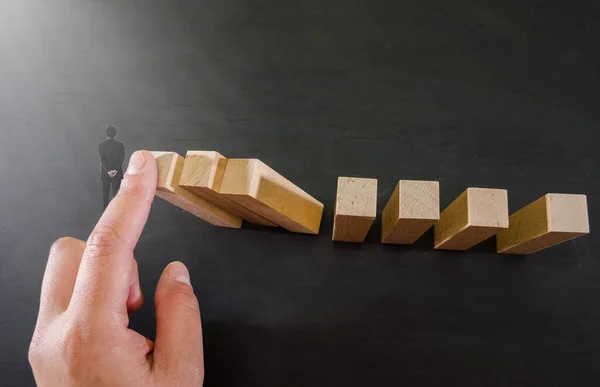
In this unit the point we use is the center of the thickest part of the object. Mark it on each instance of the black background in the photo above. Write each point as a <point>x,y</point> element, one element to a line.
<point>500,94</point>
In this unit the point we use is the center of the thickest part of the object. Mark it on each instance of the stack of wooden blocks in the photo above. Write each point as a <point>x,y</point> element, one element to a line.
<point>224,192</point>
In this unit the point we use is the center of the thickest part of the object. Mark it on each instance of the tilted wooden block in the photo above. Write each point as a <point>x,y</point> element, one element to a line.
<point>548,221</point>
<point>355,209</point>
<point>170,165</point>
<point>254,185</point>
<point>203,173</point>
<point>413,208</point>
<point>476,215</point>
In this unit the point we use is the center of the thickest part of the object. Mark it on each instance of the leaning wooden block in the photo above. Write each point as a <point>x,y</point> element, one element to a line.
<point>413,208</point>
<point>355,209</point>
<point>254,185</point>
<point>203,173</point>
<point>476,215</point>
<point>550,220</point>
<point>170,165</point>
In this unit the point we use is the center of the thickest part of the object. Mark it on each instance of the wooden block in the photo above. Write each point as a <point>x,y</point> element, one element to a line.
<point>170,165</point>
<point>203,174</point>
<point>413,208</point>
<point>254,185</point>
<point>355,209</point>
<point>548,221</point>
<point>476,215</point>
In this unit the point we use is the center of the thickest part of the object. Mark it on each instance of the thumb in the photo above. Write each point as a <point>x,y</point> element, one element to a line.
<point>178,345</point>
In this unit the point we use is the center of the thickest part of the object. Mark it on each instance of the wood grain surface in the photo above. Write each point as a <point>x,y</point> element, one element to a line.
<point>254,185</point>
<point>202,175</point>
<point>412,209</point>
<point>169,166</point>
<point>548,221</point>
<point>476,215</point>
<point>355,209</point>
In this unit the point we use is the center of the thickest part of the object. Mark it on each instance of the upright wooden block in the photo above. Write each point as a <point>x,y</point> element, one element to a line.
<point>355,209</point>
<point>413,208</point>
<point>548,221</point>
<point>170,165</point>
<point>476,215</point>
<point>203,175</point>
<point>254,185</point>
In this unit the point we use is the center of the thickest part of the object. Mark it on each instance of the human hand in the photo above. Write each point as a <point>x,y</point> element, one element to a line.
<point>112,173</point>
<point>82,336</point>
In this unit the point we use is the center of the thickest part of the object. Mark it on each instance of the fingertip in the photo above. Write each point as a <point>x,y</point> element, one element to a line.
<point>141,175</point>
<point>64,243</point>
<point>150,154</point>
<point>150,170</point>
<point>174,283</point>
<point>177,271</point>
<point>140,161</point>
<point>137,162</point>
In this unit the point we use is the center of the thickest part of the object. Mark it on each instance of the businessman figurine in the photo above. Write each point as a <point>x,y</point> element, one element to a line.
<point>112,154</point>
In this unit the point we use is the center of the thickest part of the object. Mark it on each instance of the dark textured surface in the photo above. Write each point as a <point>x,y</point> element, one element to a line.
<point>485,93</point>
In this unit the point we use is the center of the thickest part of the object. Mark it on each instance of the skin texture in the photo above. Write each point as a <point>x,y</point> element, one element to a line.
<point>81,337</point>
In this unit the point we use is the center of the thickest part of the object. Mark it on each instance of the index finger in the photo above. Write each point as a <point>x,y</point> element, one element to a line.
<point>105,273</point>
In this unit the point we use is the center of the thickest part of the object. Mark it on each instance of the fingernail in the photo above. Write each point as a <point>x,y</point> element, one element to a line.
<point>179,273</point>
<point>136,163</point>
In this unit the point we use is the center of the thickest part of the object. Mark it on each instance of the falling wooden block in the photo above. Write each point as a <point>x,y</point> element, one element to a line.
<point>254,185</point>
<point>170,165</point>
<point>476,215</point>
<point>413,208</point>
<point>550,220</point>
<point>355,209</point>
<point>203,175</point>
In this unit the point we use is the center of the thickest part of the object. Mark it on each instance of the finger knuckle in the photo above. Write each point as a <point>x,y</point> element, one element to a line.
<point>132,188</point>
<point>61,244</point>
<point>104,240</point>
<point>183,298</point>
<point>36,351</point>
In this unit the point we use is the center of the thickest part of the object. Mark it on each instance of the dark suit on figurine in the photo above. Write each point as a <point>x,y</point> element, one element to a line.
<point>112,155</point>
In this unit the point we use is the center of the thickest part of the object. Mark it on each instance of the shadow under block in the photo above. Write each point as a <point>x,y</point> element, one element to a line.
<point>254,185</point>
<point>355,209</point>
<point>413,208</point>
<point>476,215</point>
<point>169,166</point>
<point>548,221</point>
<point>203,174</point>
